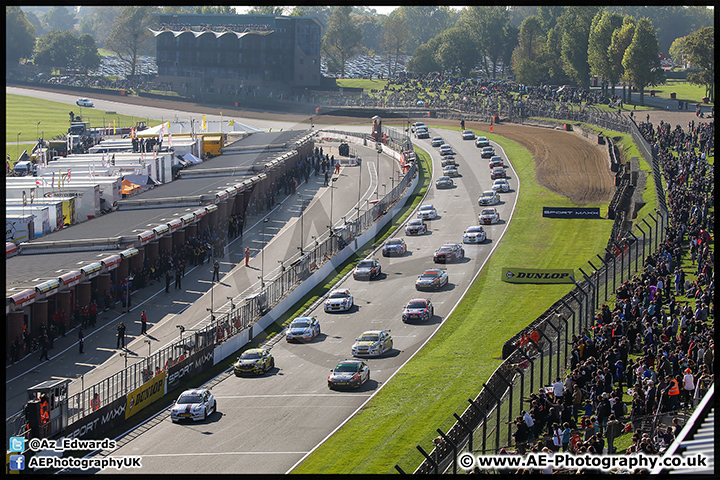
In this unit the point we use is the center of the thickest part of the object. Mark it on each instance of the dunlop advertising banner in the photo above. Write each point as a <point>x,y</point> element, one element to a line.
<point>571,212</point>
<point>537,275</point>
<point>143,396</point>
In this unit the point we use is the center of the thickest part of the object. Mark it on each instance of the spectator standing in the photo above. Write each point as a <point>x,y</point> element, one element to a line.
<point>93,311</point>
<point>143,323</point>
<point>688,382</point>
<point>612,431</point>
<point>120,335</point>
<point>81,341</point>
<point>216,271</point>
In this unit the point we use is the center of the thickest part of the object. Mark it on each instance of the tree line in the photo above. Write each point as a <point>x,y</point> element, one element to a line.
<point>545,44</point>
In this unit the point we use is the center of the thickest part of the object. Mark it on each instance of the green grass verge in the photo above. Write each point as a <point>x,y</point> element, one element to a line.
<point>684,91</point>
<point>22,114</point>
<point>462,355</point>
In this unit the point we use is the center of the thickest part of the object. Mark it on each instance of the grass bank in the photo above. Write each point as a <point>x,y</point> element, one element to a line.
<point>22,115</point>
<point>466,350</point>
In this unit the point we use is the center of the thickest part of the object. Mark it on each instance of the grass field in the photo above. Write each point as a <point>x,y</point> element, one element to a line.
<point>461,356</point>
<point>22,114</point>
<point>685,91</point>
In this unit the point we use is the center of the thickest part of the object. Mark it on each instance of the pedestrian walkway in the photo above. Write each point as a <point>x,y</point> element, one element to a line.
<point>186,306</point>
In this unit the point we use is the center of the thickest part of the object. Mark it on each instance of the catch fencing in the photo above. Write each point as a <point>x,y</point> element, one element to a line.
<point>218,327</point>
<point>533,358</point>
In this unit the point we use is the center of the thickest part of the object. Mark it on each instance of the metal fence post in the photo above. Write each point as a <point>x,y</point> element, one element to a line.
<point>643,247</point>
<point>429,459</point>
<point>482,411</point>
<point>613,265</point>
<point>467,428</point>
<point>454,448</point>
<point>497,421</point>
<point>651,240</point>
<point>636,249</point>
<point>657,243</point>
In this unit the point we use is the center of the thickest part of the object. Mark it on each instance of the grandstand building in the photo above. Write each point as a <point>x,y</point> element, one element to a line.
<point>234,54</point>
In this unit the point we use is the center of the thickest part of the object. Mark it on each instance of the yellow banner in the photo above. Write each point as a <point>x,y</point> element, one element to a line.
<point>537,275</point>
<point>143,396</point>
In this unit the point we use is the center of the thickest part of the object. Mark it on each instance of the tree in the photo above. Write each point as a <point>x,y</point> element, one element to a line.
<point>87,57</point>
<point>99,21</point>
<point>342,40</point>
<point>552,58</point>
<point>678,52</point>
<point>487,27</point>
<point>575,24</point>
<point>130,35</point>
<point>56,50</point>
<point>59,18</point>
<point>455,52</point>
<point>221,10</point>
<point>423,59</point>
<point>19,36</point>
<point>700,47</point>
<point>619,43</point>
<point>394,40</point>
<point>425,23</point>
<point>35,21</point>
<point>371,27</point>
<point>601,31</point>
<point>266,10</point>
<point>527,55</point>
<point>641,61</point>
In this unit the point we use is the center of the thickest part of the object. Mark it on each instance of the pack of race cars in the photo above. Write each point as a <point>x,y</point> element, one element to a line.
<point>375,343</point>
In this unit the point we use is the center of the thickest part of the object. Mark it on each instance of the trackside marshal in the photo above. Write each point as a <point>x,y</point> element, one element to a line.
<point>143,396</point>
<point>537,275</point>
